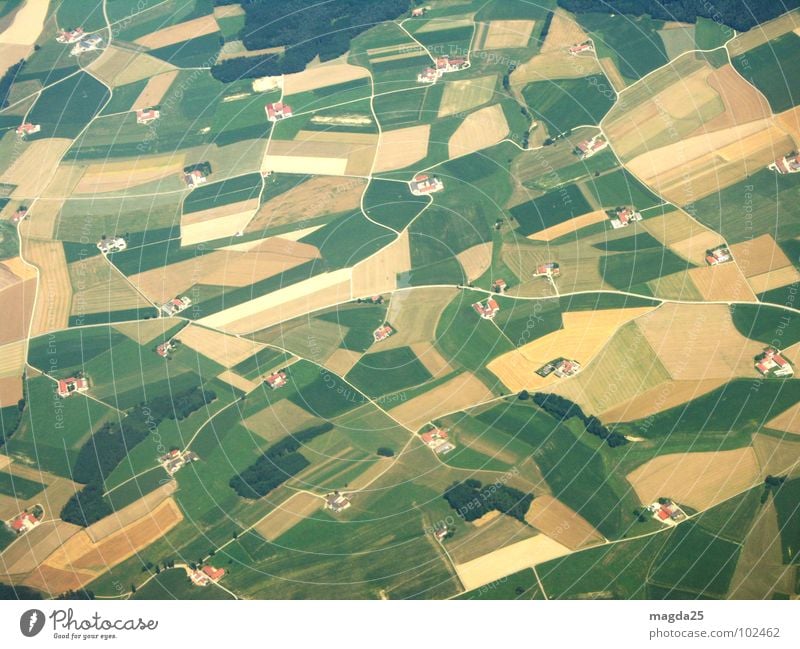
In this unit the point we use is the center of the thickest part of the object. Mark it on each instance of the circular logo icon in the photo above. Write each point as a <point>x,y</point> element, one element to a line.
<point>31,622</point>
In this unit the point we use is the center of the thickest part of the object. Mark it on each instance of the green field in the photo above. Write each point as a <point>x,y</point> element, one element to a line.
<point>384,372</point>
<point>81,13</point>
<point>628,271</point>
<point>520,585</point>
<point>67,351</point>
<point>766,68</point>
<point>174,584</point>
<point>550,209</point>
<point>620,188</point>
<point>357,321</point>
<point>786,504</point>
<point>18,487</point>
<point>391,203</point>
<point>709,34</point>
<point>64,109</point>
<point>564,104</point>
<point>231,190</point>
<point>766,324</point>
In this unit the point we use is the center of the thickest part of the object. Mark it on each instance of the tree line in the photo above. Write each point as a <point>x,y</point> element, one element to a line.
<point>471,499</point>
<point>564,409</point>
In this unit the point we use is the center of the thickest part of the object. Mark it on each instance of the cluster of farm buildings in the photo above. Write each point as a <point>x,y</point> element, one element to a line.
<point>719,255</point>
<point>561,367</point>
<point>113,244</point>
<point>666,511</point>
<point>205,575</point>
<point>423,184</point>
<point>382,332</point>
<point>580,48</point>
<point>622,217</point>
<point>80,39</point>
<point>336,502</point>
<point>771,362</point>
<point>444,64</point>
<point>587,148</point>
<point>437,440</point>
<point>25,521</point>
<point>788,164</point>
<point>176,305</point>
<point>72,385</point>
<point>487,309</point>
<point>176,459</point>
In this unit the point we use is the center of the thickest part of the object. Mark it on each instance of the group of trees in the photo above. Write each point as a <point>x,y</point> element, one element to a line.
<point>471,500</point>
<point>738,14</point>
<point>564,409</point>
<point>278,463</point>
<point>7,80</point>
<point>10,418</point>
<point>112,443</point>
<point>306,29</point>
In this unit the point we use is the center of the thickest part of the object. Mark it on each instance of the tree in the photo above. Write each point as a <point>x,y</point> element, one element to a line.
<point>385,451</point>
<point>524,395</point>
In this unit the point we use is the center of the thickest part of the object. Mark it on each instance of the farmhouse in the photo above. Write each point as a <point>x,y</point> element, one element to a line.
<point>788,164</point>
<point>499,286</point>
<point>771,363</point>
<point>147,115</point>
<point>174,460</point>
<point>588,148</point>
<point>87,45</point>
<point>418,12</point>
<point>278,111</point>
<point>586,46</point>
<point>440,533</point>
<point>382,333</point>
<point>206,575</point>
<point>114,244</point>
<point>488,309</point>
<point>550,269</point>
<point>718,255</point>
<point>66,387</point>
<point>25,522</point>
<point>20,214</point>
<point>562,367</point>
<point>666,511</point>
<point>176,305</point>
<point>423,184</point>
<point>276,380</point>
<point>623,217</point>
<point>70,36</point>
<point>428,75</point>
<point>437,439</point>
<point>446,64</point>
<point>165,348</point>
<point>336,502</point>
<point>194,178</point>
<point>26,128</point>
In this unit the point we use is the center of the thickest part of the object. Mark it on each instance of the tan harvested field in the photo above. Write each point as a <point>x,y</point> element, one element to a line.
<point>324,155</point>
<point>11,54</point>
<point>154,91</point>
<point>508,33</point>
<point>19,268</point>
<point>760,571</point>
<point>327,74</point>
<point>675,286</point>
<point>465,94</point>
<point>699,480</point>
<point>342,361</point>
<point>178,33</point>
<point>33,169</point>
<point>402,147</point>
<point>476,260</point>
<point>433,361</point>
<point>488,517</point>
<point>288,514</point>
<point>694,247</point>
<point>98,287</point>
<point>513,558</point>
<point>698,341</point>
<point>570,226</point>
<point>479,130</point>
<point>583,336</point>
<point>11,389</point>
<point>743,102</point>
<point>124,174</point>
<point>142,66</point>
<point>4,461</point>
<point>788,421</point>
<point>12,359</point>
<point>553,518</point>
<point>316,197</point>
<point>36,546</point>
<point>215,213</point>
<point>724,282</point>
<point>130,514</point>
<point>219,228</point>
<point>789,121</point>
<point>378,273</point>
<point>759,255</point>
<point>490,534</point>
<point>220,348</point>
<point>229,11</point>
<point>294,235</point>
<point>54,298</point>
<point>279,420</point>
<point>662,397</point>
<point>16,305</point>
<point>27,23</point>
<point>42,221</point>
<point>301,298</point>
<point>774,279</point>
<point>64,180</point>
<point>612,73</point>
<point>145,331</point>
<point>764,32</point>
<point>415,313</point>
<point>777,456</point>
<point>239,382</point>
<point>461,392</point>
<point>564,31</point>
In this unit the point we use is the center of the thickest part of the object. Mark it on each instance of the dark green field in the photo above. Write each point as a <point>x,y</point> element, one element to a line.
<point>17,487</point>
<point>786,501</point>
<point>621,188</point>
<point>174,584</point>
<point>64,109</point>
<point>566,103</point>
<point>232,190</point>
<point>629,270</point>
<point>551,209</point>
<point>767,324</point>
<point>359,321</point>
<point>383,372</point>
<point>392,203</point>
<point>767,68</point>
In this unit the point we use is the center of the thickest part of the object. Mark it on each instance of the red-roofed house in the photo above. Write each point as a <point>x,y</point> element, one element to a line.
<point>278,111</point>
<point>66,387</point>
<point>382,333</point>
<point>718,255</point>
<point>428,75</point>
<point>147,115</point>
<point>447,64</point>
<point>214,574</point>
<point>436,439</point>
<point>417,12</point>
<point>488,309</point>
<point>165,348</point>
<point>24,523</point>
<point>772,363</point>
<point>176,305</point>
<point>70,36</point>
<point>500,285</point>
<point>423,184</point>
<point>788,164</point>
<point>565,367</point>
<point>26,128</point>
<point>276,380</point>
<point>550,269</point>
<point>20,214</point>
<point>194,178</point>
<point>587,46</point>
<point>588,148</point>
<point>624,216</point>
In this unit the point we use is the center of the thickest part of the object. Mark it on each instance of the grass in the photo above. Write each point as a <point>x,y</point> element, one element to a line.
<point>564,104</point>
<point>401,108</point>
<point>628,271</point>
<point>600,301</point>
<point>525,320</point>
<point>550,209</point>
<point>391,203</point>
<point>64,109</point>
<point>694,560</point>
<point>520,585</point>
<point>321,393</point>
<point>232,190</point>
<point>18,487</point>
<point>709,34</point>
<point>733,518</point>
<point>766,68</point>
<point>80,13</point>
<point>786,503</point>
<point>66,351</point>
<point>388,371</point>
<point>621,188</point>
<point>9,240</point>
<point>175,584</point>
<point>200,51</point>
<point>123,97</point>
<point>348,239</point>
<point>135,23</point>
<point>260,362</point>
<point>766,323</point>
<point>359,321</point>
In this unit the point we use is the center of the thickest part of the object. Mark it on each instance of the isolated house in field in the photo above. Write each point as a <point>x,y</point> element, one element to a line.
<point>418,12</point>
<point>440,533</point>
<point>499,286</point>
<point>437,440</point>
<point>718,255</point>
<point>623,217</point>
<point>428,75</point>
<point>25,522</point>
<point>195,178</point>
<point>488,309</point>
<point>550,269</point>
<point>423,184</point>
<point>382,333</point>
<point>70,36</point>
<point>176,305</point>
<point>446,64</point>
<point>69,386</point>
<point>214,574</point>
<point>176,459</point>
<point>772,363</point>
<point>336,502</point>
<point>276,380</point>
<point>147,115</point>
<point>93,42</point>
<point>165,348</point>
<point>667,512</point>
<point>588,148</point>
<point>565,367</point>
<point>114,244</point>
<point>278,111</point>
<point>26,128</point>
<point>788,164</point>
<point>19,215</point>
<point>586,46</point>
